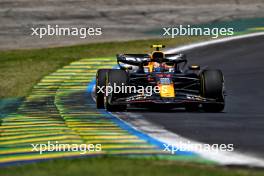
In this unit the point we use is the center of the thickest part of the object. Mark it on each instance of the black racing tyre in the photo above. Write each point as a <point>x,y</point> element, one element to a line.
<point>119,78</point>
<point>212,86</point>
<point>100,82</point>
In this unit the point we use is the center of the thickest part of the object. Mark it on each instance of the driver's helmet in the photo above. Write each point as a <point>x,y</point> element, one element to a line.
<point>159,65</point>
<point>158,55</point>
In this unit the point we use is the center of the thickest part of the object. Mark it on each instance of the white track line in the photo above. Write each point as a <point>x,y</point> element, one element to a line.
<point>224,158</point>
<point>211,42</point>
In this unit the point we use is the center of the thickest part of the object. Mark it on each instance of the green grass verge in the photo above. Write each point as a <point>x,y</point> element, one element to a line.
<point>122,166</point>
<point>21,69</point>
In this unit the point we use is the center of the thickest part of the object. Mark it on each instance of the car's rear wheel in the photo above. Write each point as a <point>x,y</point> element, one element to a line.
<point>212,86</point>
<point>115,78</point>
<point>100,87</point>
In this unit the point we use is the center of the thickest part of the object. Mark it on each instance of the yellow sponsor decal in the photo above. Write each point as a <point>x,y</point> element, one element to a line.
<point>167,90</point>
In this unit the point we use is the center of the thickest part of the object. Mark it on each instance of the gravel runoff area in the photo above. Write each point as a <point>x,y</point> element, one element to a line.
<point>119,19</point>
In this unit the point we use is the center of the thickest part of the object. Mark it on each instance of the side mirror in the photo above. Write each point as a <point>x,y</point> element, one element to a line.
<point>194,67</point>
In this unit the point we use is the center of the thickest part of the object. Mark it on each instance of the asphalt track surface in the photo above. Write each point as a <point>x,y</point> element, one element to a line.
<point>242,122</point>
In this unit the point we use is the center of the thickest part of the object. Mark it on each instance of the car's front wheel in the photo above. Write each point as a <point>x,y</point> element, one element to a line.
<point>114,78</point>
<point>212,86</point>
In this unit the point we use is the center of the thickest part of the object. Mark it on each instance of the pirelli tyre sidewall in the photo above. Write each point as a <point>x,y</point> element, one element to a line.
<point>100,83</point>
<point>118,78</point>
<point>212,86</point>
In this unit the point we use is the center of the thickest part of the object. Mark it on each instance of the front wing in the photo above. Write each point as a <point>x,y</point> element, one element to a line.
<point>179,99</point>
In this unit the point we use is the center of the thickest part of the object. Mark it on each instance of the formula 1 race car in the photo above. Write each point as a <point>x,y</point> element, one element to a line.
<point>169,83</point>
